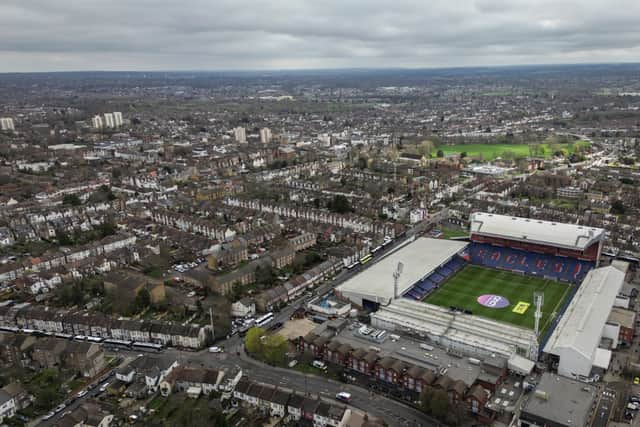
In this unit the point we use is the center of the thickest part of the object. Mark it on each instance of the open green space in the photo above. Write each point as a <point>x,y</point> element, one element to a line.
<point>463,289</point>
<point>491,151</point>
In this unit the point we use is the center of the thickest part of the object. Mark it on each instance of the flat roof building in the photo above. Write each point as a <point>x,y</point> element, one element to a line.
<point>559,402</point>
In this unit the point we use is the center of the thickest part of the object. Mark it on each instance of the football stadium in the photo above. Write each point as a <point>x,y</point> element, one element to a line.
<point>480,295</point>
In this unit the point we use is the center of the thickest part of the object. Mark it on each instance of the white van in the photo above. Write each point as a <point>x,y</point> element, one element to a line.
<point>319,364</point>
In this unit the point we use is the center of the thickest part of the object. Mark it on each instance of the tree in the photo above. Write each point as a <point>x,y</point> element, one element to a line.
<point>71,199</point>
<point>440,153</point>
<point>627,161</point>
<point>70,294</point>
<point>107,228</point>
<point>435,402</point>
<point>252,342</point>
<point>618,208</point>
<point>265,275</point>
<point>439,404</point>
<point>425,399</point>
<point>141,301</point>
<point>339,204</point>
<point>463,154</point>
<point>362,163</point>
<point>274,349</point>
<point>64,239</point>
<point>425,148</point>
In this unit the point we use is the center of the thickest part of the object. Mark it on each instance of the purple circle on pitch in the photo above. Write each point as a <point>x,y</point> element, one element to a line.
<point>493,301</point>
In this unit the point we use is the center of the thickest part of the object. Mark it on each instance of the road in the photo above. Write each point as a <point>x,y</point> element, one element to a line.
<point>604,409</point>
<point>97,382</point>
<point>394,412</point>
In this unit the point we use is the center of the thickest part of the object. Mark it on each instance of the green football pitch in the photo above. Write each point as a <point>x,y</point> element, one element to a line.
<point>463,289</point>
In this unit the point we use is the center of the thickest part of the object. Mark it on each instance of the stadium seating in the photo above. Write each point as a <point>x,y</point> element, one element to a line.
<point>427,285</point>
<point>555,267</point>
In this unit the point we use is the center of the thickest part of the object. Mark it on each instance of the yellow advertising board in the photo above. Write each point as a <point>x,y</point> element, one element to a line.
<point>521,307</point>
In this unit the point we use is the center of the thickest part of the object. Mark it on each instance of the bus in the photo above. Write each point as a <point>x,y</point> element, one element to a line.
<point>147,346</point>
<point>263,320</point>
<point>365,259</point>
<point>65,336</point>
<point>376,249</point>
<point>351,266</point>
<point>117,343</point>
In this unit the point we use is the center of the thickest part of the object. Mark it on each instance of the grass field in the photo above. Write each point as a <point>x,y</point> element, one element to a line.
<point>491,151</point>
<point>463,289</point>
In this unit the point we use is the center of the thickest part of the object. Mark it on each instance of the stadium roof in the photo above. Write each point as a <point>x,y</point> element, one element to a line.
<point>531,230</point>
<point>483,334</point>
<point>420,258</point>
<point>580,328</point>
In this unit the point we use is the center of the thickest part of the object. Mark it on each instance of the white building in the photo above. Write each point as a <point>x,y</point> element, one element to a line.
<point>576,339</point>
<point>265,135</point>
<point>240,134</point>
<point>117,118</point>
<point>242,308</point>
<point>7,406</point>
<point>6,123</point>
<point>109,121</point>
<point>96,122</point>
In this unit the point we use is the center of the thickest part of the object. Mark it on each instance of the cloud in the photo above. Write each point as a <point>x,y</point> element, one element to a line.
<point>41,35</point>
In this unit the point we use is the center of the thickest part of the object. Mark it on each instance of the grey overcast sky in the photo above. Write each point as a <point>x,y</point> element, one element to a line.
<point>56,35</point>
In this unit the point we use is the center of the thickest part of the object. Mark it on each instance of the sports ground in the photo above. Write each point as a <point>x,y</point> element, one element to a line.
<point>463,289</point>
<point>491,151</point>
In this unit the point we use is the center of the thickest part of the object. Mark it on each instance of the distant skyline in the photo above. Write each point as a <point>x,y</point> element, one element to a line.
<point>148,35</point>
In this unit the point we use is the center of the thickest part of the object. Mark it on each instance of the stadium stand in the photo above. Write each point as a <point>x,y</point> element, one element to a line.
<point>429,283</point>
<point>553,267</point>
